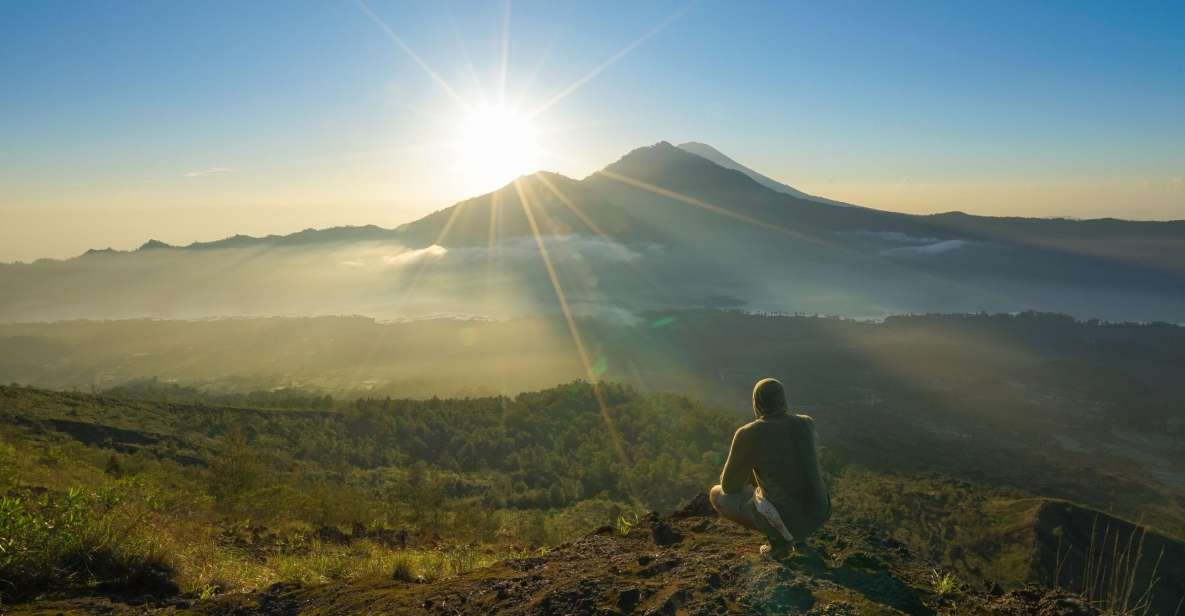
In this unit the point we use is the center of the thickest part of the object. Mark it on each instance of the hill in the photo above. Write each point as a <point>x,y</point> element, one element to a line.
<point>109,504</point>
<point>689,562</point>
<point>660,228</point>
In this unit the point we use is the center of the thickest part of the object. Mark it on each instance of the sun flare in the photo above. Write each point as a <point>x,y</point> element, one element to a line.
<point>496,144</point>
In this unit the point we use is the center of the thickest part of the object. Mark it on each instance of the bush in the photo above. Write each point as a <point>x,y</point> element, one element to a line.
<point>402,570</point>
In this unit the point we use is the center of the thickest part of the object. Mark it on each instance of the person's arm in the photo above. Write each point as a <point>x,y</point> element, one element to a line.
<point>810,422</point>
<point>738,468</point>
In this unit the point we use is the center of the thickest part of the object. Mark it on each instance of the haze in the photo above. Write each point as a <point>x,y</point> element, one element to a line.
<point>128,121</point>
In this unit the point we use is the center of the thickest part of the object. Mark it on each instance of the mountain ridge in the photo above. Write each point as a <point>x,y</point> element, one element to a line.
<point>720,158</point>
<point>693,148</point>
<point>713,235</point>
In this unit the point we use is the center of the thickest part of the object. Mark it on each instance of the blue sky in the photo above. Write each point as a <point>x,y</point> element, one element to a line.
<point>127,120</point>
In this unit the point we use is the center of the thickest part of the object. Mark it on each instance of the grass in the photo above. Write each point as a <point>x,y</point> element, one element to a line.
<point>1110,578</point>
<point>365,559</point>
<point>141,523</point>
<point>144,526</point>
<point>83,539</point>
<point>75,539</point>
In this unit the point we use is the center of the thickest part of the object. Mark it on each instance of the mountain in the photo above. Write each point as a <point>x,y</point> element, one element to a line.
<point>661,227</point>
<point>718,157</point>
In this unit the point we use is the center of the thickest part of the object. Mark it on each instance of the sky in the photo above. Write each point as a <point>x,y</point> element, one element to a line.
<point>185,121</point>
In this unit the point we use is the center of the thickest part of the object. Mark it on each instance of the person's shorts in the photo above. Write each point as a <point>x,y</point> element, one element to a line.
<point>740,505</point>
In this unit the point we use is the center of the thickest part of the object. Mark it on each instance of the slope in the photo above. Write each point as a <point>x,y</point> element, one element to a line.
<point>687,563</point>
<point>720,158</point>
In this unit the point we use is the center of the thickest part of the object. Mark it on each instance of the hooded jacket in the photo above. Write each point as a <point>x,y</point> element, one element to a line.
<point>777,453</point>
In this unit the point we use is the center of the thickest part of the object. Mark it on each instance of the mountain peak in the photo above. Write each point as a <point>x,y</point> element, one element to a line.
<point>720,158</point>
<point>696,147</point>
<point>153,244</point>
<point>653,161</point>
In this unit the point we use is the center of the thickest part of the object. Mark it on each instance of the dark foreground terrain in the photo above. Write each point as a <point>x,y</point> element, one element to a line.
<point>690,562</point>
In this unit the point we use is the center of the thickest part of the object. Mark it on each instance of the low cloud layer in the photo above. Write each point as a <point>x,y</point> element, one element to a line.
<point>926,250</point>
<point>560,248</point>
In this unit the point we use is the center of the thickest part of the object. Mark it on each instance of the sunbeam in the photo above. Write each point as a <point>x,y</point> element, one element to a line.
<point>615,245</point>
<point>542,60</point>
<point>723,211</point>
<point>422,266</point>
<point>492,253</point>
<point>610,61</point>
<point>504,54</point>
<point>573,329</point>
<point>711,207</point>
<point>466,58</point>
<point>412,54</point>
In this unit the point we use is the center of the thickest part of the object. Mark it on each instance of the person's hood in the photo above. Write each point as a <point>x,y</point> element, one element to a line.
<point>769,398</point>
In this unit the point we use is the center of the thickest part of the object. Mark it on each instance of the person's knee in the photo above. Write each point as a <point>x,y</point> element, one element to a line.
<point>714,496</point>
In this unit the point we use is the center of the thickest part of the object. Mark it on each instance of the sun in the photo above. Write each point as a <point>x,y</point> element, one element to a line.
<point>496,144</point>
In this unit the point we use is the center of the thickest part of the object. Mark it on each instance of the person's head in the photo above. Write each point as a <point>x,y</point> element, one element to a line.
<point>769,398</point>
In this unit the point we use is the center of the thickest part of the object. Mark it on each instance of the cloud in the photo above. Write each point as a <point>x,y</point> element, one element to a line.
<point>411,256</point>
<point>560,248</point>
<point>892,236</point>
<point>936,248</point>
<point>201,173</point>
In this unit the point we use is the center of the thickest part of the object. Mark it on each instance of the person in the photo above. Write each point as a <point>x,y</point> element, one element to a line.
<point>771,481</point>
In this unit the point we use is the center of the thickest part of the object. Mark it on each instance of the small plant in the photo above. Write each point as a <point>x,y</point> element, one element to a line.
<point>945,583</point>
<point>625,525</point>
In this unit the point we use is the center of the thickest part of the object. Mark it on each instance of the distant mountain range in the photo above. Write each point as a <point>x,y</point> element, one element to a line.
<point>663,226</point>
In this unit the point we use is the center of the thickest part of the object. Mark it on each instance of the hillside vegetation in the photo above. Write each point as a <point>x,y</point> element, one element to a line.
<point>189,501</point>
<point>1085,411</point>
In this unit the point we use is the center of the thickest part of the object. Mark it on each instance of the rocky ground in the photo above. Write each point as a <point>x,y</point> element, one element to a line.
<point>689,563</point>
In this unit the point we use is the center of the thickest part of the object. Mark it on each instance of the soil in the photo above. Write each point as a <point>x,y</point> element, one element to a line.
<point>688,563</point>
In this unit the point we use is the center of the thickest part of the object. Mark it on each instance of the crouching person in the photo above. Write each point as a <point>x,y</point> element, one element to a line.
<point>771,481</point>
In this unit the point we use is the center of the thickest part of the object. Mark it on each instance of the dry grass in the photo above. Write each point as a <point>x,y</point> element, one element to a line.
<point>1110,579</point>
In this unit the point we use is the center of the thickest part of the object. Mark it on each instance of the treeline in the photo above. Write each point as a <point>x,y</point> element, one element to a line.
<point>546,449</point>
<point>153,389</point>
<point>538,450</point>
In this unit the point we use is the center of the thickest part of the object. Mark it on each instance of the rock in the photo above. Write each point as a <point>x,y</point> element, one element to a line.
<point>697,507</point>
<point>627,600</point>
<point>663,534</point>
